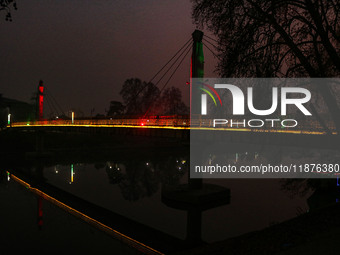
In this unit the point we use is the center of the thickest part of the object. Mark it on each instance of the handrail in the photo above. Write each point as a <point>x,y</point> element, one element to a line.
<point>304,126</point>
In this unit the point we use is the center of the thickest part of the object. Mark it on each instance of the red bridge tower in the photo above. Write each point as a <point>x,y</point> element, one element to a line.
<point>40,101</point>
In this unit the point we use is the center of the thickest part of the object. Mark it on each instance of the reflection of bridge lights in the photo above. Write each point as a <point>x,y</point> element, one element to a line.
<point>112,166</point>
<point>72,174</point>
<point>86,218</point>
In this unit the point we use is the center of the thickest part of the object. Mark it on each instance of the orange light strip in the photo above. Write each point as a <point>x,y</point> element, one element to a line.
<point>126,239</point>
<point>176,127</point>
<point>94,125</point>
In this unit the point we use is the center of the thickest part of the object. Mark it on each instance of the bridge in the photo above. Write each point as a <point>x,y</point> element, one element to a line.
<point>177,122</point>
<point>178,127</point>
<point>194,121</point>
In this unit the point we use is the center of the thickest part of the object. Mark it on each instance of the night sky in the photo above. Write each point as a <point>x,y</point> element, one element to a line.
<point>85,50</point>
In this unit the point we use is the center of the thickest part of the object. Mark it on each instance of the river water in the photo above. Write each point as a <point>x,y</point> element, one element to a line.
<point>133,188</point>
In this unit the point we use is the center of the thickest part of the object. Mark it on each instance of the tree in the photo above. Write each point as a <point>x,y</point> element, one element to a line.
<point>116,108</point>
<point>5,5</point>
<point>145,98</point>
<point>138,95</point>
<point>171,101</point>
<point>277,38</point>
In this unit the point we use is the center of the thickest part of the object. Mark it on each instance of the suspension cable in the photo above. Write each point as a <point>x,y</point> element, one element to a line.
<point>211,51</point>
<point>167,82</point>
<point>170,59</point>
<point>185,46</point>
<point>55,101</point>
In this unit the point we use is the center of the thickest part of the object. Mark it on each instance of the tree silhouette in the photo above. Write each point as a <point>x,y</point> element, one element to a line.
<point>5,5</point>
<point>138,95</point>
<point>145,98</point>
<point>116,108</point>
<point>277,38</point>
<point>171,102</point>
<point>138,181</point>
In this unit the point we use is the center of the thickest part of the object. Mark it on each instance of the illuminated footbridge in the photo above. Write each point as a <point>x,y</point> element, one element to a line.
<point>180,122</point>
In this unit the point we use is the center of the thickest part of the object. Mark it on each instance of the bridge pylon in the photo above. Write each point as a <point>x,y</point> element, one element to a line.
<point>40,101</point>
<point>196,70</point>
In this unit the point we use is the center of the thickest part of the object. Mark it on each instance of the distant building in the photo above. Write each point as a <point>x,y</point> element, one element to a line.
<point>20,111</point>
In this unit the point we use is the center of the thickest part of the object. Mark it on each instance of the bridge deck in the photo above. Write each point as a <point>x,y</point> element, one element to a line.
<point>311,128</point>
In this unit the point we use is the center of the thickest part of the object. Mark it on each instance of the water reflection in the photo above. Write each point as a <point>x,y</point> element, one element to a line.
<point>138,179</point>
<point>32,224</point>
<point>135,179</point>
<point>152,189</point>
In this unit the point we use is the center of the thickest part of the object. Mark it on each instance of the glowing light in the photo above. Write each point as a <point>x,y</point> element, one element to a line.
<point>72,173</point>
<point>72,117</point>
<point>40,100</point>
<point>169,125</point>
<point>9,119</point>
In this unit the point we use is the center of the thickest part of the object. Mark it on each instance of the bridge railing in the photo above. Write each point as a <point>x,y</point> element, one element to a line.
<point>306,125</point>
<point>110,122</point>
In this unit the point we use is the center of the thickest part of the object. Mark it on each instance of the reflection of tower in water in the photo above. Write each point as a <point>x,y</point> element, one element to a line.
<point>71,174</point>
<point>195,200</point>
